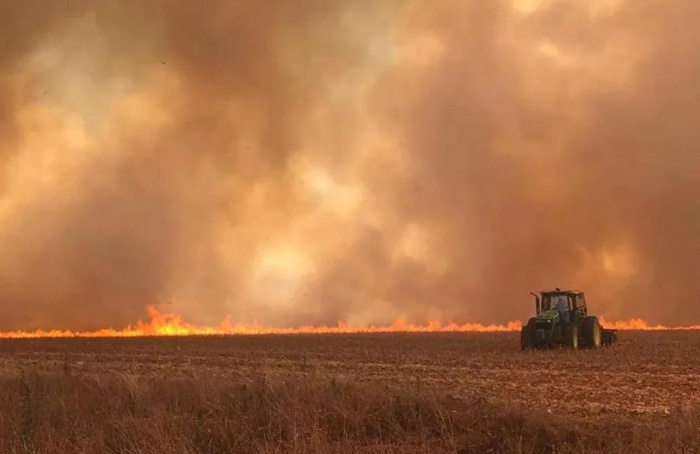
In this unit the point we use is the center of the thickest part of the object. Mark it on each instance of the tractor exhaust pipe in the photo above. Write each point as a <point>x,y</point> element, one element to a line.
<point>537,303</point>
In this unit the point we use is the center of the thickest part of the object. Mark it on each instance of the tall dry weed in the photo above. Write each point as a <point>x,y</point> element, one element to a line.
<point>125,413</point>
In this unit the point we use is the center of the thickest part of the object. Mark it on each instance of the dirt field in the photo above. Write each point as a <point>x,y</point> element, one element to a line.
<point>645,372</point>
<point>647,375</point>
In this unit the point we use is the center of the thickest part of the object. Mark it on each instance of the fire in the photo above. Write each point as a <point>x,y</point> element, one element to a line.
<point>643,325</point>
<point>164,325</point>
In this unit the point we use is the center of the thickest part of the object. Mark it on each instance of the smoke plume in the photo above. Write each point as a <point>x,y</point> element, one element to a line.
<point>307,162</point>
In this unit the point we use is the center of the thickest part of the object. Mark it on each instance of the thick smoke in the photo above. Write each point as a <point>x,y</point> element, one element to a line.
<point>555,149</point>
<point>309,162</point>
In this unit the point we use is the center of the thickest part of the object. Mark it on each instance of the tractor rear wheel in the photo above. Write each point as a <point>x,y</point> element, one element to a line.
<point>592,336</point>
<point>527,335</point>
<point>571,336</point>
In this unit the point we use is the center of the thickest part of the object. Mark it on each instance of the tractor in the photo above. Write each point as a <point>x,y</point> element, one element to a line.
<point>562,320</point>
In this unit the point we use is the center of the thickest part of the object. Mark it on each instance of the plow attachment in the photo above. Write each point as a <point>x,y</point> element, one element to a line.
<point>608,336</point>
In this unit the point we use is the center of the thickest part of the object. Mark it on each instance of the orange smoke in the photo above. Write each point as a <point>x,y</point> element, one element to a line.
<point>161,324</point>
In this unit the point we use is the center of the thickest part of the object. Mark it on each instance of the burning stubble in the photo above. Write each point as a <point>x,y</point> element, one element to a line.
<point>358,161</point>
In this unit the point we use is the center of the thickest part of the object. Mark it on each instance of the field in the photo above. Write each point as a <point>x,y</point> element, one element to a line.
<point>433,392</point>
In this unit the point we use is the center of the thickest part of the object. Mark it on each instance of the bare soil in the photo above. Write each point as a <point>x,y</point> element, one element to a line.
<point>647,380</point>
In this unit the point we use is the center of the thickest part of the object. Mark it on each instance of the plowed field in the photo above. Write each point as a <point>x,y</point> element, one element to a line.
<point>645,372</point>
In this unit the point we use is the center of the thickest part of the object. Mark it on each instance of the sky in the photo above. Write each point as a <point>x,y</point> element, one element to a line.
<point>361,161</point>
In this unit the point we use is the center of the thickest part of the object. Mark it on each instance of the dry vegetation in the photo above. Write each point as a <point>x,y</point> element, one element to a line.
<point>348,393</point>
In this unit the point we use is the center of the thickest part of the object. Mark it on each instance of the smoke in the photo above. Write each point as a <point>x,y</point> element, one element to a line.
<point>554,148</point>
<point>357,161</point>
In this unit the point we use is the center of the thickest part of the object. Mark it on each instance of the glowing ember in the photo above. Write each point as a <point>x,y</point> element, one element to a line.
<point>165,325</point>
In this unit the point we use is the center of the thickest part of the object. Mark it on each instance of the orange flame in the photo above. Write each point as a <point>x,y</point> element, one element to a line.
<point>161,324</point>
<point>643,325</point>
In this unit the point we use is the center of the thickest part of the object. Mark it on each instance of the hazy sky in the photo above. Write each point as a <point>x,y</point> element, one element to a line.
<point>308,162</point>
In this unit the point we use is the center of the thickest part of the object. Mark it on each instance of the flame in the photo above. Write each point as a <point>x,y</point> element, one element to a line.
<point>164,325</point>
<point>643,325</point>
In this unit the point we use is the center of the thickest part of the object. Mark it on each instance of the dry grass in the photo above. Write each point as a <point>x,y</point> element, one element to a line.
<point>103,397</point>
<point>122,413</point>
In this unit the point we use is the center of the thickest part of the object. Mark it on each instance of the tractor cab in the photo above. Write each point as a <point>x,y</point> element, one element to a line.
<point>569,304</point>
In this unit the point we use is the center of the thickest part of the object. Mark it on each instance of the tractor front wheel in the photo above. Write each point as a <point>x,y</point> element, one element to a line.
<point>527,335</point>
<point>571,336</point>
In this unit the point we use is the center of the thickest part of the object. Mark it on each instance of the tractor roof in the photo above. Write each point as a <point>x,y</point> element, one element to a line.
<point>560,291</point>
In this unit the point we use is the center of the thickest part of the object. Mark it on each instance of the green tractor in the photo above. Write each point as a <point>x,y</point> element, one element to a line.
<point>562,319</point>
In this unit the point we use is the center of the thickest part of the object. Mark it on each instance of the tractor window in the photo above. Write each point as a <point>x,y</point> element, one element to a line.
<point>559,302</point>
